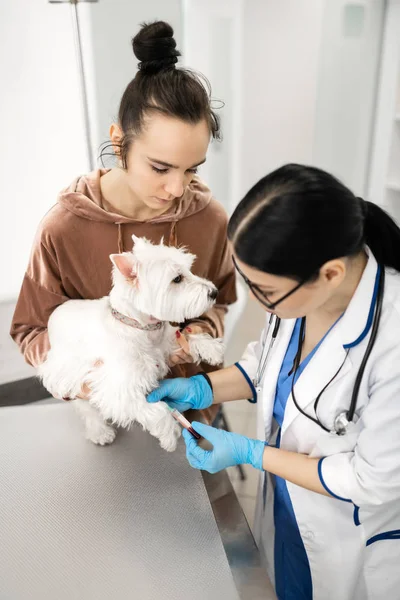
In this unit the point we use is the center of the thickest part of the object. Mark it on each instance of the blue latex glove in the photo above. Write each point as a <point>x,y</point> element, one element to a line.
<point>183,393</point>
<point>229,449</point>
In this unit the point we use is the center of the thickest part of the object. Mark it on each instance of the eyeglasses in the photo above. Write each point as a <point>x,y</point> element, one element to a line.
<point>260,295</point>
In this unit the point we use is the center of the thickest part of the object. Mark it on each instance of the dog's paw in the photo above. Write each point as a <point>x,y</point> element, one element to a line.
<point>100,433</point>
<point>205,348</point>
<point>170,441</point>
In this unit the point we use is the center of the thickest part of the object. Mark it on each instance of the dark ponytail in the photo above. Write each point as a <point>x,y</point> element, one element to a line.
<point>382,235</point>
<point>160,87</point>
<point>297,218</point>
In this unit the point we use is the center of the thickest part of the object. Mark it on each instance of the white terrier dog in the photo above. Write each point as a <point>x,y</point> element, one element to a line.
<point>120,344</point>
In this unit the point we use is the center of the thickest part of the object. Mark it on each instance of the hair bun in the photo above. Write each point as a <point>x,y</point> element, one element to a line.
<point>155,47</point>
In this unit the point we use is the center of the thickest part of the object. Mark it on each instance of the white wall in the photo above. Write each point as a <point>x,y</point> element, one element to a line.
<point>40,122</point>
<point>213,45</point>
<point>347,83</point>
<point>384,176</point>
<point>280,64</point>
<point>269,96</point>
<point>306,82</point>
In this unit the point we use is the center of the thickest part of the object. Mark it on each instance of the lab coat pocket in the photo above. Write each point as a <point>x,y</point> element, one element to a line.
<point>381,566</point>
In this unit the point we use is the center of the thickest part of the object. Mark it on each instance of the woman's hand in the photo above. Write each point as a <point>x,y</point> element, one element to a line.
<point>182,354</point>
<point>229,449</point>
<point>86,391</point>
<point>84,394</point>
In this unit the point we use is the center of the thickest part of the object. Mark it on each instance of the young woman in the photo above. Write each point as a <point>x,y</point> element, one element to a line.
<point>326,374</point>
<point>164,127</point>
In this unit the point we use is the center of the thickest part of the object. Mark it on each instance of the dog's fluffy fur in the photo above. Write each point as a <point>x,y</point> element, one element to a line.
<point>120,363</point>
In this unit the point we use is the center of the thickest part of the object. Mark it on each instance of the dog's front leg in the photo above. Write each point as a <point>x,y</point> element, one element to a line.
<point>96,429</point>
<point>205,348</point>
<point>202,346</point>
<point>157,420</point>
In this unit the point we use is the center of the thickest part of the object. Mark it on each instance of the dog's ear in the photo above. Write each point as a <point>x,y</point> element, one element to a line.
<point>140,241</point>
<point>125,263</point>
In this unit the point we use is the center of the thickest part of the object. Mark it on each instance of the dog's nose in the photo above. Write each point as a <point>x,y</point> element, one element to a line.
<point>212,294</point>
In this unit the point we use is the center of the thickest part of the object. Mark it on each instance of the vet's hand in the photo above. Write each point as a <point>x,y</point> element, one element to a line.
<point>182,354</point>
<point>229,449</point>
<point>183,394</point>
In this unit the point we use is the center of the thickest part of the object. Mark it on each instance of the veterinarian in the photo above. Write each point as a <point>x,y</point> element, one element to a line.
<point>164,127</point>
<point>326,378</point>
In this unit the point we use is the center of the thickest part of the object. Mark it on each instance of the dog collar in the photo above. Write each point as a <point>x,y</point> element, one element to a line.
<point>133,323</point>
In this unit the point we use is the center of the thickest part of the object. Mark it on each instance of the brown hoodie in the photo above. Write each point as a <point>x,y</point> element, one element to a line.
<point>70,256</point>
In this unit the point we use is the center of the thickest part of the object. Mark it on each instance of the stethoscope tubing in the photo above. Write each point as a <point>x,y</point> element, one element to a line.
<point>264,356</point>
<point>343,420</point>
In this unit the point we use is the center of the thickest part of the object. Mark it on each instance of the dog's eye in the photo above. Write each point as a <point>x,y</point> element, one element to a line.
<point>177,279</point>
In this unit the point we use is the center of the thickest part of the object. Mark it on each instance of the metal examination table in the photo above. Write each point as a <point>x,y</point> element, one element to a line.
<point>81,522</point>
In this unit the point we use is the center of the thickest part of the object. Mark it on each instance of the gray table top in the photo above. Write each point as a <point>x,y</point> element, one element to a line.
<point>249,577</point>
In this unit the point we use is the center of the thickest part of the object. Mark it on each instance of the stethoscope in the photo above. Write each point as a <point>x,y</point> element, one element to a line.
<point>343,420</point>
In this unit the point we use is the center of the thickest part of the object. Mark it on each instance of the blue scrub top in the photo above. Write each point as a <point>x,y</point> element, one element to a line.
<point>292,569</point>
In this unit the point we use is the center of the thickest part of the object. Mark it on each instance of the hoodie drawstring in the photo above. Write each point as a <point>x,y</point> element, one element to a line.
<point>173,236</point>
<point>120,239</point>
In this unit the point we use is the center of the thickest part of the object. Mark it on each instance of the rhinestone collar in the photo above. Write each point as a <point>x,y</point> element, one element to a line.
<point>135,324</point>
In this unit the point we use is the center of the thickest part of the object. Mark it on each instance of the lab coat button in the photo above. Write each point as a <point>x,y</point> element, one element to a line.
<point>309,535</point>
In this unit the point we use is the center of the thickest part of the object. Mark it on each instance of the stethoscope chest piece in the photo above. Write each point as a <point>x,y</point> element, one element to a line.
<point>341,424</point>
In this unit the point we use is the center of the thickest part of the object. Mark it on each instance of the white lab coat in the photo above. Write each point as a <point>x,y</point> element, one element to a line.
<point>347,560</point>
